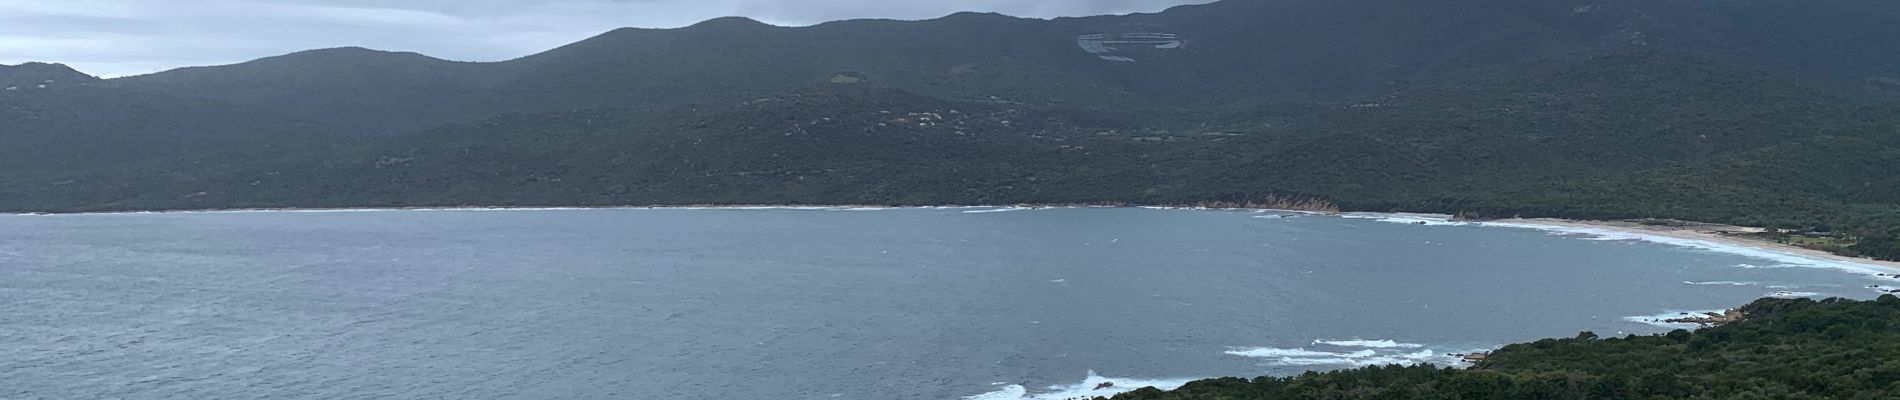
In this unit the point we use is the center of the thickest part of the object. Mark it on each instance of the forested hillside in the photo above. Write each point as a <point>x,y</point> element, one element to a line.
<point>1755,112</point>
<point>1785,349</point>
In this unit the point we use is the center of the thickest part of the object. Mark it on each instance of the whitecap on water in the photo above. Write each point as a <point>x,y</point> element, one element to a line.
<point>1270,352</point>
<point>1377,344</point>
<point>1662,319</point>
<point>1792,295</point>
<point>1770,266</point>
<point>1307,358</point>
<point>1722,283</point>
<point>1408,219</point>
<point>996,210</point>
<point>1372,352</point>
<point>1090,387</point>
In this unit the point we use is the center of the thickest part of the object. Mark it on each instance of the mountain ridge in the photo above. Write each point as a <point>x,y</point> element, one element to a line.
<point>1587,109</point>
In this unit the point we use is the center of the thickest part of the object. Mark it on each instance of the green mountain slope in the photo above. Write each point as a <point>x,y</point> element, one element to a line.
<point>354,90</point>
<point>1235,52</point>
<point>1763,112</point>
<point>1670,135</point>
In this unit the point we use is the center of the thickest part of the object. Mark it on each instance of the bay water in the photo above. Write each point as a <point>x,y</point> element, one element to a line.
<point>819,303</point>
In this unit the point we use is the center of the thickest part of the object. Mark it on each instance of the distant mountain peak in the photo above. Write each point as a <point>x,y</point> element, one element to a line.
<point>36,74</point>
<point>353,52</point>
<point>338,57</point>
<point>977,15</point>
<point>40,67</point>
<point>732,22</point>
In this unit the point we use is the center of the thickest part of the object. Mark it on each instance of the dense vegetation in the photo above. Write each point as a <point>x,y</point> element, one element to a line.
<point>1759,112</point>
<point>1785,349</point>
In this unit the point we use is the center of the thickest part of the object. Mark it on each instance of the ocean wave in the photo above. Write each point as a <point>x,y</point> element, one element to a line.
<point>1417,357</point>
<point>1272,352</point>
<point>1090,387</point>
<point>1769,266</point>
<point>1722,283</point>
<point>1662,319</point>
<point>1305,362</point>
<point>1371,352</point>
<point>1408,219</point>
<point>1309,358</point>
<point>1792,295</point>
<point>1376,344</point>
<point>996,210</point>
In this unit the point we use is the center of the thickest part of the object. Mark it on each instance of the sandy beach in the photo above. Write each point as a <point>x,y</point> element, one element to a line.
<point>1717,233</point>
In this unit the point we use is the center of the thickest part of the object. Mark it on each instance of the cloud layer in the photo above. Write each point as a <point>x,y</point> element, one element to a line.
<point>129,37</point>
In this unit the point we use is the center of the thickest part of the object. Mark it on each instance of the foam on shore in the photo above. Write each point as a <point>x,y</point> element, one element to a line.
<point>1370,352</point>
<point>1662,319</point>
<point>1270,352</point>
<point>1781,259</point>
<point>1309,358</point>
<point>1376,344</point>
<point>1408,219</point>
<point>1086,389</point>
<point>1792,295</point>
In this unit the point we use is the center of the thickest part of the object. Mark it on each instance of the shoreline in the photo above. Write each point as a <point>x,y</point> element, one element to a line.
<point>1703,232</point>
<point>1692,231</point>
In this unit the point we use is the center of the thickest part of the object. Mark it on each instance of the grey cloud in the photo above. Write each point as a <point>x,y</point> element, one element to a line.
<point>126,37</point>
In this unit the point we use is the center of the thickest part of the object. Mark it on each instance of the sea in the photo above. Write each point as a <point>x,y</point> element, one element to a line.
<point>814,302</point>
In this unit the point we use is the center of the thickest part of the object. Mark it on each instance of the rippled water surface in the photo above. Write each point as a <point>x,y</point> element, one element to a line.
<point>796,304</point>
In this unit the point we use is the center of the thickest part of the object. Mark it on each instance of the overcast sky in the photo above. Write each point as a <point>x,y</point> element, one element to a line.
<point>129,37</point>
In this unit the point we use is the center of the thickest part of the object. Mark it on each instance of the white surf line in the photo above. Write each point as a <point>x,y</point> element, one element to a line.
<point>1091,386</point>
<point>1376,344</point>
<point>1370,352</point>
<point>997,210</point>
<point>1722,283</point>
<point>1662,319</point>
<point>1783,257</point>
<point>1405,218</point>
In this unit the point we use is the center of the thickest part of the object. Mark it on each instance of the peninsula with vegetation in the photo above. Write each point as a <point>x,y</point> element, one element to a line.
<point>1775,114</point>
<point>1776,349</point>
